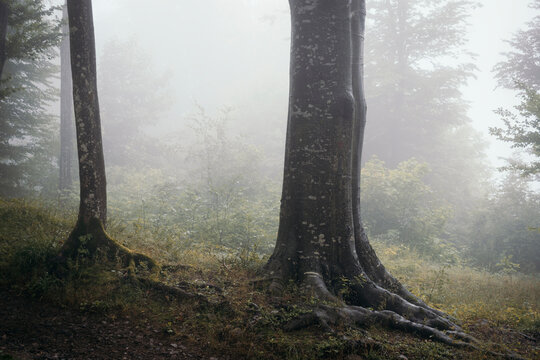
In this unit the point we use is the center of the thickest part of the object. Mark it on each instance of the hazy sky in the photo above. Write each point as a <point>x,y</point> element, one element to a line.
<point>494,22</point>
<point>235,52</point>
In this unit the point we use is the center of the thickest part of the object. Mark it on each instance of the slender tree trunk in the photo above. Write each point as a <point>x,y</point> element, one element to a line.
<point>4,13</point>
<point>89,232</point>
<point>93,204</point>
<point>66,110</point>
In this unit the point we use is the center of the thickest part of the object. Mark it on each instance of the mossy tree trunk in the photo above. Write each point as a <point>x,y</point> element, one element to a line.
<point>89,233</point>
<point>321,243</point>
<point>93,204</point>
<point>66,110</point>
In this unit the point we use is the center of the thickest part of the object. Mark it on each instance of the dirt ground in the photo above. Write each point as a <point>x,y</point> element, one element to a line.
<point>30,329</point>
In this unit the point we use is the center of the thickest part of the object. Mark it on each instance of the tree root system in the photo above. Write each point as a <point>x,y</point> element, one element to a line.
<point>366,304</point>
<point>91,242</point>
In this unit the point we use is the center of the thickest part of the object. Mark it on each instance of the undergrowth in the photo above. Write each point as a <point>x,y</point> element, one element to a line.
<point>494,307</point>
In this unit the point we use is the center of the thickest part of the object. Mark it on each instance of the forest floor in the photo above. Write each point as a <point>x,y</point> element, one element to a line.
<point>122,322</point>
<point>98,312</point>
<point>31,329</point>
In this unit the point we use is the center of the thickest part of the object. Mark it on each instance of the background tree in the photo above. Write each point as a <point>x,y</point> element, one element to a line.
<point>27,129</point>
<point>399,207</point>
<point>521,68</point>
<point>413,94</point>
<point>506,229</point>
<point>416,65</point>
<point>521,71</point>
<point>415,69</point>
<point>3,33</point>
<point>134,98</point>
<point>67,122</point>
<point>321,243</point>
<point>522,131</point>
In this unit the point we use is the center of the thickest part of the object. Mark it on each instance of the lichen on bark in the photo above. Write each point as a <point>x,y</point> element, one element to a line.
<point>89,237</point>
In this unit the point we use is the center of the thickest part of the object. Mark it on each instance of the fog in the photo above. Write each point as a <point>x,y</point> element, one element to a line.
<point>221,53</point>
<point>177,224</point>
<point>217,53</point>
<point>194,100</point>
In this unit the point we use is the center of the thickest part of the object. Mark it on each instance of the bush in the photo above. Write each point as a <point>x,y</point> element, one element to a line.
<point>398,207</point>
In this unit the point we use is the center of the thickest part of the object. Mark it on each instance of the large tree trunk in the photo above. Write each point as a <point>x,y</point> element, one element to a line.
<point>321,243</point>
<point>316,231</point>
<point>66,110</point>
<point>4,13</point>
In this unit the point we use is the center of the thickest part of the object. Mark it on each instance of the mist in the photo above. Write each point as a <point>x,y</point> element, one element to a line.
<point>197,109</point>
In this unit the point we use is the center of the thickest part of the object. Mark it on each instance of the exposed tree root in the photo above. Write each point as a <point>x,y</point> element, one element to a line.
<point>368,304</point>
<point>92,242</point>
<point>177,292</point>
<point>368,294</point>
<point>327,316</point>
<point>376,271</point>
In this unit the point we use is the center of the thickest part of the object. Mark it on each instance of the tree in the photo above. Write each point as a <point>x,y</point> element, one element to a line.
<point>89,232</point>
<point>27,129</point>
<point>521,68</point>
<point>414,91</point>
<point>66,110</point>
<point>416,66</point>
<point>321,243</point>
<point>522,131</point>
<point>521,71</point>
<point>506,228</point>
<point>3,33</point>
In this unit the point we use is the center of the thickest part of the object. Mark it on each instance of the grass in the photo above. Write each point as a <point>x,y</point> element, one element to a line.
<point>469,294</point>
<point>493,307</point>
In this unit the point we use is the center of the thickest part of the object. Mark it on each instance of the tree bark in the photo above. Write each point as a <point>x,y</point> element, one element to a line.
<point>66,110</point>
<point>4,13</point>
<point>321,243</point>
<point>316,231</point>
<point>89,238</point>
<point>93,203</point>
